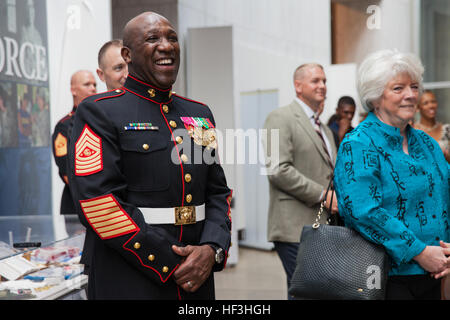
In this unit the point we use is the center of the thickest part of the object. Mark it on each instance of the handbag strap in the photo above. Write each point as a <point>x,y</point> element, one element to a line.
<point>316,224</point>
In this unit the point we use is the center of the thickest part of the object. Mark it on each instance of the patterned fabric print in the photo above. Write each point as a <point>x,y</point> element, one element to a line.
<point>398,200</point>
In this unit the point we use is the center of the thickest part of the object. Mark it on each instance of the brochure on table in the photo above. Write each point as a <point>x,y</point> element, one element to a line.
<point>42,273</point>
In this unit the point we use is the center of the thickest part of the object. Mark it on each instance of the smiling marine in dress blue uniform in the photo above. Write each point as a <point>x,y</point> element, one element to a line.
<point>146,181</point>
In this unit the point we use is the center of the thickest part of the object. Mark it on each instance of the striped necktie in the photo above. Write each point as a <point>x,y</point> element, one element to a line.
<point>317,124</point>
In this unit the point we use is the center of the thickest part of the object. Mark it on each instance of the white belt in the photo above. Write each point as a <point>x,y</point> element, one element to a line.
<point>177,215</point>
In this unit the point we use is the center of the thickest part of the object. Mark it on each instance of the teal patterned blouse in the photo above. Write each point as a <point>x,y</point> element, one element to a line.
<point>397,200</point>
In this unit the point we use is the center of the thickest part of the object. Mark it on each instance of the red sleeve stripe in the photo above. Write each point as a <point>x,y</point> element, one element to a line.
<point>229,217</point>
<point>229,204</point>
<point>107,217</point>
<point>98,209</point>
<point>164,280</point>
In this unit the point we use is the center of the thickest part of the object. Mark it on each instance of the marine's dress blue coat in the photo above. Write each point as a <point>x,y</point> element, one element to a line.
<point>142,168</point>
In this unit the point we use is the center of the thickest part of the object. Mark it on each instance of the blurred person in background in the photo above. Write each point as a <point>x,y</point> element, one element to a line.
<point>8,114</point>
<point>82,84</point>
<point>301,173</point>
<point>40,116</point>
<point>112,69</point>
<point>24,120</point>
<point>341,122</point>
<point>428,123</point>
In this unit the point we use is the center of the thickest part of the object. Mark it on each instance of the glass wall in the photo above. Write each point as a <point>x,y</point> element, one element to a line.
<point>25,153</point>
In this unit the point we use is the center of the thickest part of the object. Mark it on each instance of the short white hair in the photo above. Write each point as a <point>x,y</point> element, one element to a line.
<point>382,66</point>
<point>299,73</point>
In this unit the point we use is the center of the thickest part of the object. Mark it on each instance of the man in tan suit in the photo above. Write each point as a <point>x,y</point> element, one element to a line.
<point>299,176</point>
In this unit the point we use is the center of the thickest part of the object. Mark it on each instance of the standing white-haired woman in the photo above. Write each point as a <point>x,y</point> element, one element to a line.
<point>392,181</point>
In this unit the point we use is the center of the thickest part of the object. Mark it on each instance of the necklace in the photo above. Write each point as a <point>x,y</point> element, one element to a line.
<point>425,128</point>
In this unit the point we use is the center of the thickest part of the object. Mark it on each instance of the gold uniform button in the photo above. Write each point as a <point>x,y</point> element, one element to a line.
<point>151,92</point>
<point>179,140</point>
<point>189,198</point>
<point>137,245</point>
<point>118,91</point>
<point>173,124</point>
<point>165,269</point>
<point>151,257</point>
<point>145,146</point>
<point>165,108</point>
<point>184,158</point>
<point>187,177</point>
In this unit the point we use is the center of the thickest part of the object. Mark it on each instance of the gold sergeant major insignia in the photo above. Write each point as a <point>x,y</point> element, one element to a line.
<point>88,153</point>
<point>107,217</point>
<point>60,145</point>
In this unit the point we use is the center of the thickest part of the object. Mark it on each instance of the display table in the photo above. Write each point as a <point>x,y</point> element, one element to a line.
<point>63,289</point>
<point>46,273</point>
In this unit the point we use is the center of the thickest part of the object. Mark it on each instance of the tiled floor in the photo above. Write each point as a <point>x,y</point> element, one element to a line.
<point>258,275</point>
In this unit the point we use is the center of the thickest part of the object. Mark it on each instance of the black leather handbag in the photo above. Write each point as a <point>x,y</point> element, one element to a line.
<point>335,262</point>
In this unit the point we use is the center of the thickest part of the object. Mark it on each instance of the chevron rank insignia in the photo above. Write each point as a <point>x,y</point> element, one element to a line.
<point>60,145</point>
<point>107,217</point>
<point>88,153</point>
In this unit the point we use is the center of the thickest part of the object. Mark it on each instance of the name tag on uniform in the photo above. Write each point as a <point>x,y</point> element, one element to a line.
<point>140,126</point>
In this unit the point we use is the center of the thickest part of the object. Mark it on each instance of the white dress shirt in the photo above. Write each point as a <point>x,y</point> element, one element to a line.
<point>311,114</point>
